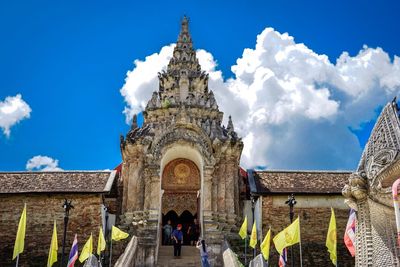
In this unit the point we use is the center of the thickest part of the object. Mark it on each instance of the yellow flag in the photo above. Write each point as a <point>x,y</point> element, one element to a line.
<point>53,247</point>
<point>265,245</point>
<point>20,238</point>
<point>331,242</point>
<point>243,229</point>
<point>101,243</point>
<point>288,236</point>
<point>87,249</point>
<point>253,237</point>
<point>117,234</point>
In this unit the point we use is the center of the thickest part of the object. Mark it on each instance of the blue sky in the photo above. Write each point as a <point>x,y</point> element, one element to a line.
<point>68,60</point>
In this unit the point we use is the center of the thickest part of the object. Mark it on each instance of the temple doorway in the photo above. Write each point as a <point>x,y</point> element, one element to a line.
<point>186,219</point>
<point>181,197</point>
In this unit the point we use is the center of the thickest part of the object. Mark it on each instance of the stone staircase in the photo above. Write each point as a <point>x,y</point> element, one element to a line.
<point>190,257</point>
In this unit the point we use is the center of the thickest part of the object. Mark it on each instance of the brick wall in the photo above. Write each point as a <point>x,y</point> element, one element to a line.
<point>314,212</point>
<point>42,209</point>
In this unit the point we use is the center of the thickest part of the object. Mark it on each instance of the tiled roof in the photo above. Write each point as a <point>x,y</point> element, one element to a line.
<point>56,182</point>
<point>308,182</point>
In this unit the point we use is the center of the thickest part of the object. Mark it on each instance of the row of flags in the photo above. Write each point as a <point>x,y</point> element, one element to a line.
<point>87,250</point>
<point>291,235</point>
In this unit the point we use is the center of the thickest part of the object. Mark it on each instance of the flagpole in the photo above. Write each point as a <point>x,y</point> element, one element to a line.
<point>291,202</point>
<point>301,255</point>
<point>110,252</point>
<point>336,252</point>
<point>245,251</point>
<point>16,264</point>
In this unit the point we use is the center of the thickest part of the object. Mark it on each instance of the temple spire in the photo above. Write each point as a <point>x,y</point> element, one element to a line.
<point>184,38</point>
<point>183,83</point>
<point>184,61</point>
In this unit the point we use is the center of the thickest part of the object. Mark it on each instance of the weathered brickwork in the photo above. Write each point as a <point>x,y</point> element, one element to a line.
<point>42,210</point>
<point>314,223</point>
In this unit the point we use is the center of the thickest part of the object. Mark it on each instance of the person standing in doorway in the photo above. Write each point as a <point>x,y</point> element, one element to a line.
<point>193,232</point>
<point>201,244</point>
<point>177,238</point>
<point>167,230</point>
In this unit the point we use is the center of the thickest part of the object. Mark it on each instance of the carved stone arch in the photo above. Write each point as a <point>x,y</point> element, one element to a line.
<point>183,135</point>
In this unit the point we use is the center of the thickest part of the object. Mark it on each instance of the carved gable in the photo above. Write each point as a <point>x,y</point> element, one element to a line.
<point>383,145</point>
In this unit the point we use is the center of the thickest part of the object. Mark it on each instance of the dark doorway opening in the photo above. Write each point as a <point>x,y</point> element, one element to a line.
<point>187,219</point>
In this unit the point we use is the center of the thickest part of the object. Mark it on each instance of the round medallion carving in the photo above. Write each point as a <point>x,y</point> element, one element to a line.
<point>181,174</point>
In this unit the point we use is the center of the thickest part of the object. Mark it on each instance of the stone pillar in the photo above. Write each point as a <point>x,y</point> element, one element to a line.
<point>238,211</point>
<point>125,180</point>
<point>230,180</point>
<point>153,223</point>
<point>147,189</point>
<point>148,228</point>
<point>207,188</point>
<point>134,194</point>
<point>214,185</point>
<point>209,224</point>
<point>221,195</point>
<point>211,233</point>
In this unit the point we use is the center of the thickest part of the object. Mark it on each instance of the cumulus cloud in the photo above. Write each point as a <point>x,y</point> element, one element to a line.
<point>12,110</point>
<point>294,108</point>
<point>142,80</point>
<point>42,163</point>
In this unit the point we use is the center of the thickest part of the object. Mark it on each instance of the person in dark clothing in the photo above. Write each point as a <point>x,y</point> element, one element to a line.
<point>177,238</point>
<point>193,233</point>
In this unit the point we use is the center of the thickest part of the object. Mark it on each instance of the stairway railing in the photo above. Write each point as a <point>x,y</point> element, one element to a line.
<point>229,257</point>
<point>128,257</point>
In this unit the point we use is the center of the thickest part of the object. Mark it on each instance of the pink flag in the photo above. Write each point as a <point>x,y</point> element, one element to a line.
<point>350,233</point>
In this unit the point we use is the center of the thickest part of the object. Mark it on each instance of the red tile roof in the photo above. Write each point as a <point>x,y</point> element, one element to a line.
<point>308,182</point>
<point>56,182</point>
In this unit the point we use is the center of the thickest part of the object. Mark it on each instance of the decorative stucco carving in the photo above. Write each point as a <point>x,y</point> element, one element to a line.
<point>181,175</point>
<point>179,202</point>
<point>201,142</point>
<point>383,145</point>
<point>368,192</point>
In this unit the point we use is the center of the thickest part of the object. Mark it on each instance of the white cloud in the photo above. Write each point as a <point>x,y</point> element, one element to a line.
<point>293,107</point>
<point>142,80</point>
<point>12,110</point>
<point>42,163</point>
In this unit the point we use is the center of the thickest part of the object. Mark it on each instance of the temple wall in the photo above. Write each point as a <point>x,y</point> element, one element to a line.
<point>314,212</point>
<point>42,210</point>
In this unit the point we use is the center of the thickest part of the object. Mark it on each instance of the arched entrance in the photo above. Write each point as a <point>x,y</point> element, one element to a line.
<point>181,197</point>
<point>187,219</point>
